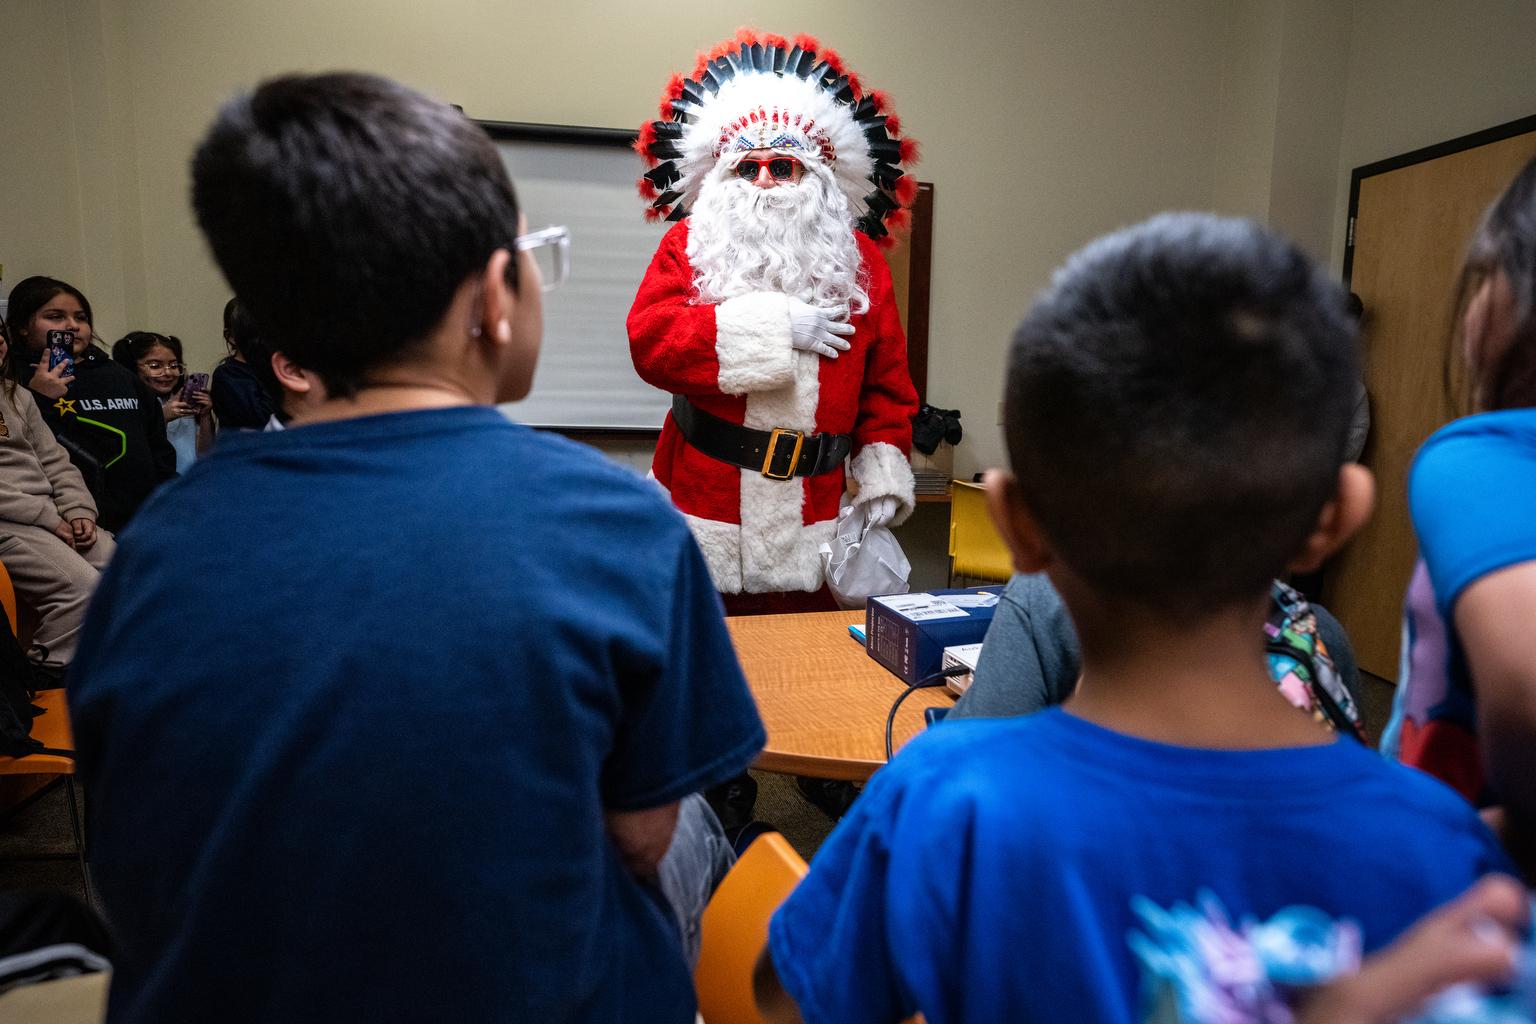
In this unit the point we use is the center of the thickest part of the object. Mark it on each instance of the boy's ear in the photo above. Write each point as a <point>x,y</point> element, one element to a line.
<point>1016,523</point>
<point>499,299</point>
<point>290,375</point>
<point>1340,518</point>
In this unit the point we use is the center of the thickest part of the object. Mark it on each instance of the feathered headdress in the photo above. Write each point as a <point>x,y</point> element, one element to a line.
<point>760,91</point>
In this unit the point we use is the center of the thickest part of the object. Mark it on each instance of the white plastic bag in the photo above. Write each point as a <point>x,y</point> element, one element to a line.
<point>861,561</point>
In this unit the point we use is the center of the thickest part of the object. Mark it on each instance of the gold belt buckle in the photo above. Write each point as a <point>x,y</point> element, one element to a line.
<point>773,448</point>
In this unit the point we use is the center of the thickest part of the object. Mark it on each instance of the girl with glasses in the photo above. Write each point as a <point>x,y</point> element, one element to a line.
<point>157,360</point>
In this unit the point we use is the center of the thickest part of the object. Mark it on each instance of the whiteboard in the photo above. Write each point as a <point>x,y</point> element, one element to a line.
<point>584,178</point>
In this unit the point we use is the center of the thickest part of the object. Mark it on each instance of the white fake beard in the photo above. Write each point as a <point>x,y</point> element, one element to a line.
<point>793,239</point>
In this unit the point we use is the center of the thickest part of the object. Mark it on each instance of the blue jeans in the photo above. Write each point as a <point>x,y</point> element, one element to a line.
<point>697,860</point>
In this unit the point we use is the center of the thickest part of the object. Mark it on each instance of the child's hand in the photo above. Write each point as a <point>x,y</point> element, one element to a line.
<point>175,409</point>
<point>54,383</point>
<point>66,533</point>
<point>1472,939</point>
<point>202,404</point>
<point>85,533</point>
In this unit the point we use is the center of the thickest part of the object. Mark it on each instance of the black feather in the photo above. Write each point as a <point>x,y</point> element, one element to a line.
<point>663,175</point>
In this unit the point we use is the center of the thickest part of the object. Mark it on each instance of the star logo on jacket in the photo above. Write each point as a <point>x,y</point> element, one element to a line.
<point>66,407</point>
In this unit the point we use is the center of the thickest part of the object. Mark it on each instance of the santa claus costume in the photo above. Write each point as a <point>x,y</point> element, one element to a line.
<point>788,172</point>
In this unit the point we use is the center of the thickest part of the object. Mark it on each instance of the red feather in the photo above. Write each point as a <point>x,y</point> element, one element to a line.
<point>646,140</point>
<point>647,190</point>
<point>856,85</point>
<point>656,213</point>
<point>879,98</point>
<point>834,61</point>
<point>746,35</point>
<point>807,43</point>
<point>778,41</point>
<point>886,242</point>
<point>899,220</point>
<point>906,190</point>
<point>892,125</point>
<point>910,154</point>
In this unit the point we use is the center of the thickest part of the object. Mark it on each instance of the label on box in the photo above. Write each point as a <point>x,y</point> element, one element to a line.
<point>923,607</point>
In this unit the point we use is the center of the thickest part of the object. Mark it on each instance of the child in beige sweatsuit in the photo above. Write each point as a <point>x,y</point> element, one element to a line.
<point>49,542</point>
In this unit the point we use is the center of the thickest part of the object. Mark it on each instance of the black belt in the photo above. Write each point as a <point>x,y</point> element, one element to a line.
<point>777,454</point>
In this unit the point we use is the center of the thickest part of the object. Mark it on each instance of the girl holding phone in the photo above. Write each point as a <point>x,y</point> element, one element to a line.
<point>107,419</point>
<point>49,543</point>
<point>184,400</point>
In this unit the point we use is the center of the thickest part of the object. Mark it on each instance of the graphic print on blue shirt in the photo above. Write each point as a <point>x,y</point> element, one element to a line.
<point>1200,967</point>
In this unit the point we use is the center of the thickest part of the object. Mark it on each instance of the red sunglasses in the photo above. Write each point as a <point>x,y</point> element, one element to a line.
<point>780,168</point>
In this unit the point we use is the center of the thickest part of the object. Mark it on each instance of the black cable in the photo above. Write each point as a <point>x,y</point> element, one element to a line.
<point>935,679</point>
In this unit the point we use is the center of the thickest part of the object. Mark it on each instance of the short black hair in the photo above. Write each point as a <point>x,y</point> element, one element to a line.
<point>1177,406</point>
<point>240,333</point>
<point>345,210</point>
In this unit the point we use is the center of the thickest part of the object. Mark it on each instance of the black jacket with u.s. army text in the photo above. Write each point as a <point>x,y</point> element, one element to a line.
<point>111,424</point>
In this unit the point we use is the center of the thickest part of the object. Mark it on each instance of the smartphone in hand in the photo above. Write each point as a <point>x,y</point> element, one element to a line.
<point>61,349</point>
<point>197,384</point>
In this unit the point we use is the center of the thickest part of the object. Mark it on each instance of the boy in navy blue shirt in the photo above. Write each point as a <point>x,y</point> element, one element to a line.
<point>1177,842</point>
<point>392,715</point>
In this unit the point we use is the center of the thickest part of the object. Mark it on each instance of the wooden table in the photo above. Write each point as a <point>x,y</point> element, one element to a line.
<point>822,699</point>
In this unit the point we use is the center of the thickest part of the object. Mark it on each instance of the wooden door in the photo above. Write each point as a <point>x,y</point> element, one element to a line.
<point>1412,219</point>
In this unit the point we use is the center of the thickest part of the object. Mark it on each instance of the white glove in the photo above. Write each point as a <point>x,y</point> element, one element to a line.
<point>881,511</point>
<point>816,328</point>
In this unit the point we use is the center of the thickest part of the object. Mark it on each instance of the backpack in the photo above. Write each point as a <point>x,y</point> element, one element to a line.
<point>1301,666</point>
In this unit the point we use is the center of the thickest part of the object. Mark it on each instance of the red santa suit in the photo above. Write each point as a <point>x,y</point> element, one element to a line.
<point>734,355</point>
<point>735,361</point>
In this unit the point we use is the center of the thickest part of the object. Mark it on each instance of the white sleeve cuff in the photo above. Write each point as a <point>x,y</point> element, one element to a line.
<point>882,471</point>
<point>752,343</point>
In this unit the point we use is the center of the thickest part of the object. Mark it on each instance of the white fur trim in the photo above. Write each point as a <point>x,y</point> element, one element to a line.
<point>832,125</point>
<point>721,545</point>
<point>778,552</point>
<point>784,557</point>
<point>753,343</point>
<point>881,471</point>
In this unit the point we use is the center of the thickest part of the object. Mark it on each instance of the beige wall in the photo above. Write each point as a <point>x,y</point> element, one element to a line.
<point>1044,122</point>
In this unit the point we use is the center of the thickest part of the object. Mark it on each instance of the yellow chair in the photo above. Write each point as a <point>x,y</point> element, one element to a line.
<point>735,928</point>
<point>52,730</point>
<point>976,550</point>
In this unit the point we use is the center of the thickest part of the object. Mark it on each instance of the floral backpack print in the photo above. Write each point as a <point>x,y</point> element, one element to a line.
<point>1301,666</point>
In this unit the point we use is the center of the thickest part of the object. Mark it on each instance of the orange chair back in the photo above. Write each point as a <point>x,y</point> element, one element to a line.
<point>735,928</point>
<point>8,597</point>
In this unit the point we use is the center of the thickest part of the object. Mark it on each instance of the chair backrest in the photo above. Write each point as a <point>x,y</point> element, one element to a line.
<point>8,597</point>
<point>735,928</point>
<point>976,549</point>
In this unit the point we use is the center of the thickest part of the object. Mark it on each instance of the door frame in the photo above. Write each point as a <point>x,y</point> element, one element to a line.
<point>1498,133</point>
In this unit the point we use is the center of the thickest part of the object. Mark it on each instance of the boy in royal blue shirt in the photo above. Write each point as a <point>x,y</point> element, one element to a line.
<point>439,688</point>
<point>1178,841</point>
